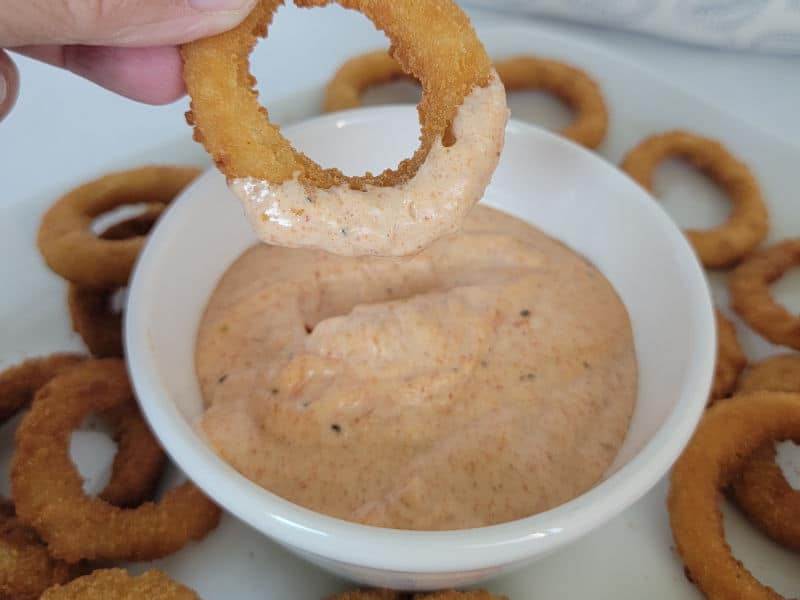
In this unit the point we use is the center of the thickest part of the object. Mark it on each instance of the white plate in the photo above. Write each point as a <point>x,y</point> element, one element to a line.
<point>631,557</point>
<point>562,188</point>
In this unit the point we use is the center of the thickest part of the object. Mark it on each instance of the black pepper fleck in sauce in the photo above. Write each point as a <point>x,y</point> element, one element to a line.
<point>275,390</point>
<point>337,428</point>
<point>222,379</point>
<point>525,313</point>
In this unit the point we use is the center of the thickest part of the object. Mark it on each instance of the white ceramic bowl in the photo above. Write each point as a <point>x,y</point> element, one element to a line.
<point>567,191</point>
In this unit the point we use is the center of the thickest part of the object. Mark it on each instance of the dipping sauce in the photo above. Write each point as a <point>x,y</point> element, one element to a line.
<point>488,378</point>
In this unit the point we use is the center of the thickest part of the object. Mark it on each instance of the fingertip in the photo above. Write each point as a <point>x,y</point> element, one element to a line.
<point>9,84</point>
<point>149,75</point>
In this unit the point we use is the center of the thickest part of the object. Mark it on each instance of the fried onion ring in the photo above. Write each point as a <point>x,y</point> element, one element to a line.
<point>729,434</point>
<point>571,85</point>
<point>760,489</point>
<point>747,225</point>
<point>353,78</point>
<point>65,238</point>
<point>90,308</point>
<point>730,359</point>
<point>48,489</point>
<point>433,42</point>
<point>751,297</point>
<point>19,384</point>
<point>26,568</point>
<point>118,584</point>
<point>139,460</point>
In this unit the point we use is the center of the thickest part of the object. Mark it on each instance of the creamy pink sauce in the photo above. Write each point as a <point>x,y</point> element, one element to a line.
<point>488,378</point>
<point>388,221</point>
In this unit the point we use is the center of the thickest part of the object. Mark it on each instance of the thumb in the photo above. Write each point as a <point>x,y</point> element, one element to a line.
<point>116,22</point>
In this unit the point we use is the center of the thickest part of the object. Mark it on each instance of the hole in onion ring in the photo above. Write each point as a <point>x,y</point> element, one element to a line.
<point>93,451</point>
<point>540,108</point>
<point>691,199</point>
<point>322,43</point>
<point>786,290</point>
<point>789,462</point>
<point>118,300</point>
<point>117,215</point>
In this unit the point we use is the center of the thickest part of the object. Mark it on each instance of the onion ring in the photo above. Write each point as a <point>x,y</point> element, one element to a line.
<point>26,568</point>
<point>760,489</point>
<point>139,460</point>
<point>90,308</point>
<point>19,384</point>
<point>48,489</point>
<point>353,78</point>
<point>747,225</point>
<point>65,238</point>
<point>751,297</point>
<point>724,441</point>
<point>571,85</point>
<point>730,359</point>
<point>117,584</point>
<point>432,41</point>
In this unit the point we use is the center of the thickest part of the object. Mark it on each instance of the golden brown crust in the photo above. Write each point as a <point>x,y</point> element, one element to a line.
<point>747,225</point>
<point>573,86</point>
<point>358,74</point>
<point>117,584</point>
<point>730,359</point>
<point>19,384</point>
<point>26,568</point>
<point>751,297</point>
<point>779,373</point>
<point>432,40</point>
<point>728,436</point>
<point>760,489</point>
<point>67,243</point>
<point>48,490</point>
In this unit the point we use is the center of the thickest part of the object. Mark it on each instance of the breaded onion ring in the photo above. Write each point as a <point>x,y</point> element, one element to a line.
<point>48,489</point>
<point>139,460</point>
<point>118,584</point>
<point>399,211</point>
<point>65,237</point>
<point>26,568</point>
<point>760,489</point>
<point>19,384</point>
<point>747,225</point>
<point>353,78</point>
<point>571,85</point>
<point>752,299</point>
<point>730,359</point>
<point>729,434</point>
<point>90,308</point>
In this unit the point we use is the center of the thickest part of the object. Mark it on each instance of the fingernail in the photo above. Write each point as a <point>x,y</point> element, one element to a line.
<point>219,5</point>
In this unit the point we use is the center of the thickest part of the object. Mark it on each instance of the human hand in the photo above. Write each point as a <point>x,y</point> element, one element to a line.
<point>127,46</point>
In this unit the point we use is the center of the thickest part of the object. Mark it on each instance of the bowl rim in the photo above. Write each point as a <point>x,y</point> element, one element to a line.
<point>422,551</point>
